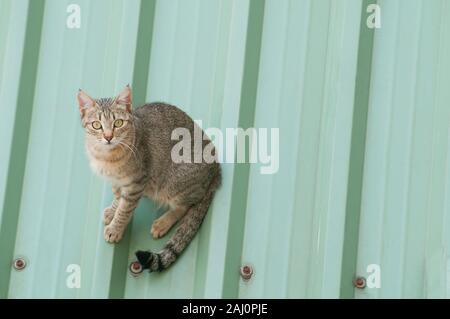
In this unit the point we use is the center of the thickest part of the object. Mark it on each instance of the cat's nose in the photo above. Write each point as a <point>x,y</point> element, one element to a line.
<point>108,137</point>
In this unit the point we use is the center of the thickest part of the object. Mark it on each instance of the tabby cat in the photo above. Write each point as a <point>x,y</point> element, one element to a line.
<point>132,149</point>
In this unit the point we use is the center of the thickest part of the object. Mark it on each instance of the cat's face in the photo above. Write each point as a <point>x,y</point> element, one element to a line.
<point>107,121</point>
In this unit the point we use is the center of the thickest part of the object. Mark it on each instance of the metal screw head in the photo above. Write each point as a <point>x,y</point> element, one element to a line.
<point>246,272</point>
<point>135,268</point>
<point>359,282</point>
<point>19,264</point>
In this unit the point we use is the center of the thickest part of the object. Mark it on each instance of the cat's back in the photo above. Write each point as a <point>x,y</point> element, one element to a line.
<point>163,115</point>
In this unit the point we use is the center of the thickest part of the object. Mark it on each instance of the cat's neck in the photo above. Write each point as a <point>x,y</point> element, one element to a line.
<point>110,162</point>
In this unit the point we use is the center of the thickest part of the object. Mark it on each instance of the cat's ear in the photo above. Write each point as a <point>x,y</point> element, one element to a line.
<point>84,101</point>
<point>125,98</point>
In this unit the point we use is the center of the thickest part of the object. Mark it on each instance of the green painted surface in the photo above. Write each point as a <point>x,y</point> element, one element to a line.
<point>363,156</point>
<point>241,174</point>
<point>19,146</point>
<point>294,224</point>
<point>60,224</point>
<point>356,161</point>
<point>12,34</point>
<point>404,218</point>
<point>198,67</point>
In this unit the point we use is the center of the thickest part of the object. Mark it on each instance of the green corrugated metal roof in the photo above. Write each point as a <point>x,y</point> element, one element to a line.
<point>342,199</point>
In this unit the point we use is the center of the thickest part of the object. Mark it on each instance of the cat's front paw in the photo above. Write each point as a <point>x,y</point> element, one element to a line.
<point>113,234</point>
<point>108,215</point>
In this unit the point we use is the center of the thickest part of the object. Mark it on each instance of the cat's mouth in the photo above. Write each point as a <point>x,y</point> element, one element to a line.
<point>108,144</point>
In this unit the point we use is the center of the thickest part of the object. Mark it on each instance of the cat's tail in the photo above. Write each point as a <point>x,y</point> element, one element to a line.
<point>184,234</point>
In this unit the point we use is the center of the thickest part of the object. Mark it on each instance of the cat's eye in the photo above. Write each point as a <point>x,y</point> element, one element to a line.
<point>97,125</point>
<point>118,123</point>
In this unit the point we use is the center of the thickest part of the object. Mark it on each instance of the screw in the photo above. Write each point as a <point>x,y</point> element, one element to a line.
<point>135,268</point>
<point>359,282</point>
<point>19,264</point>
<point>246,272</point>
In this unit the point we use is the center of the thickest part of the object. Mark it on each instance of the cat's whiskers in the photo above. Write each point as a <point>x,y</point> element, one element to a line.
<point>130,148</point>
<point>186,189</point>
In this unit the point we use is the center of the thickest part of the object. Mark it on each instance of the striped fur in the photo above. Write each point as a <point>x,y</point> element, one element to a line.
<point>136,159</point>
<point>189,226</point>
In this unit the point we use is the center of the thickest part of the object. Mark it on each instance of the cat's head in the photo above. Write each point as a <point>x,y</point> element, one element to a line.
<point>107,121</point>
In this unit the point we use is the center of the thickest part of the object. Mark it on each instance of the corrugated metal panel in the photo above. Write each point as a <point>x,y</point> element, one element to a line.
<point>58,223</point>
<point>405,212</point>
<point>295,219</point>
<point>288,64</point>
<point>12,33</point>
<point>196,61</point>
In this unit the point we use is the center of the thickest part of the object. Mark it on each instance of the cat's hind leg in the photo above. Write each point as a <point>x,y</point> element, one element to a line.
<point>163,224</point>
